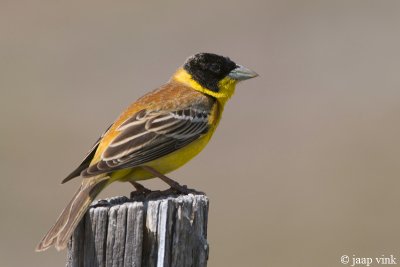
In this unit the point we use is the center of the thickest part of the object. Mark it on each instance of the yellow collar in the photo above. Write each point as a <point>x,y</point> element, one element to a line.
<point>226,85</point>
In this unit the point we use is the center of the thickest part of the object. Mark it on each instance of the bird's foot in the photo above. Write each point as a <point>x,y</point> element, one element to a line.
<point>140,190</point>
<point>183,189</point>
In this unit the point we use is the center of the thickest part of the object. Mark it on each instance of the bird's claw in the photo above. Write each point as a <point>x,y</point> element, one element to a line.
<point>183,189</point>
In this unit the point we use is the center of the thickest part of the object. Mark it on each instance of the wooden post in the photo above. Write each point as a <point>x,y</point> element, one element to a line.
<point>165,232</point>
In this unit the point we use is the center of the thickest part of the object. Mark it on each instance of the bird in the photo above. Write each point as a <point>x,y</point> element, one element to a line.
<point>155,135</point>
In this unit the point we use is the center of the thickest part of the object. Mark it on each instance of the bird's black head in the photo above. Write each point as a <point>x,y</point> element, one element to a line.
<point>208,69</point>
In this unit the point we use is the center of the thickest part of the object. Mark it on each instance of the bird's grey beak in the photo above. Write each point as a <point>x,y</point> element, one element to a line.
<point>241,73</point>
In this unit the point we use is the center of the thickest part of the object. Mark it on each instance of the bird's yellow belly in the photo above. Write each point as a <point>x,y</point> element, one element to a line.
<point>165,164</point>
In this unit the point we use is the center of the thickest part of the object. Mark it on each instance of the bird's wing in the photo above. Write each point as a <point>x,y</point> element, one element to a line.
<point>149,135</point>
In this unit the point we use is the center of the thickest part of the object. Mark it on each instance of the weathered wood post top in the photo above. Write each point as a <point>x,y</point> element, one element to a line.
<point>170,230</point>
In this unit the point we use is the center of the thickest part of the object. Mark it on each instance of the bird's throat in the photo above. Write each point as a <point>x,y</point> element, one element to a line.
<point>226,86</point>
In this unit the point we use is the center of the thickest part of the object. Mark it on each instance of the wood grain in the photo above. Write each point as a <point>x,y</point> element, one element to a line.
<point>170,230</point>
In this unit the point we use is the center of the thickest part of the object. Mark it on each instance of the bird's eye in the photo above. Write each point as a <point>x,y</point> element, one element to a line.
<point>215,68</point>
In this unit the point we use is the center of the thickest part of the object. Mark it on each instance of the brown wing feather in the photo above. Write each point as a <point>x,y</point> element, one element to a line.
<point>151,136</point>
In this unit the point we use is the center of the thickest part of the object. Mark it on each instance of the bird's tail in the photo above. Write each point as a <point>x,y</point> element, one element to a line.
<point>62,230</point>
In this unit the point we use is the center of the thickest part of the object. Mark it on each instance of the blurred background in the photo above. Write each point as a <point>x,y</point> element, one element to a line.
<point>304,167</point>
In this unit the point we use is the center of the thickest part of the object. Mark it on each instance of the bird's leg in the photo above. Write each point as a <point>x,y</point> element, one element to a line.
<point>169,181</point>
<point>174,185</point>
<point>140,189</point>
